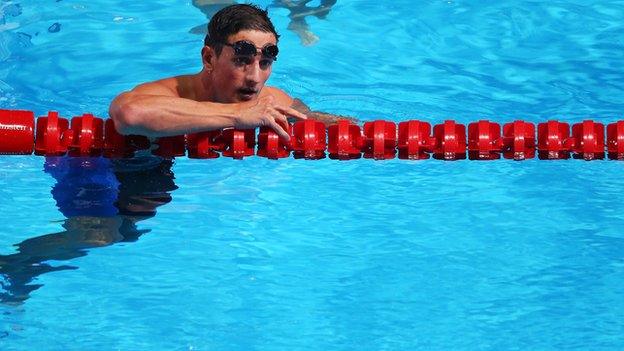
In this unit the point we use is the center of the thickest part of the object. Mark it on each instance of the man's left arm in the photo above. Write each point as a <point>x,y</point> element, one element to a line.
<point>285,100</point>
<point>326,118</point>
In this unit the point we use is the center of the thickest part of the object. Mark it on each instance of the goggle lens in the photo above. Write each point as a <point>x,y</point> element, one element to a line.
<point>245,48</point>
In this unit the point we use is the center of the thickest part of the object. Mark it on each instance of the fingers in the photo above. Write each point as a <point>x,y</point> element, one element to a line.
<point>283,133</point>
<point>289,111</point>
<point>279,123</point>
<point>279,117</point>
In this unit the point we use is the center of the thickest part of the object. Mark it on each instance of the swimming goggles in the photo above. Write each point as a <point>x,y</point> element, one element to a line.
<point>246,48</point>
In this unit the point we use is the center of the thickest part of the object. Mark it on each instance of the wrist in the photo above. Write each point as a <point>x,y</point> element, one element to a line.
<point>229,115</point>
<point>235,115</point>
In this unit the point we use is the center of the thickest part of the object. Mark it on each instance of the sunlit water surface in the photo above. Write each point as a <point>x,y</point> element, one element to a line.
<point>320,255</point>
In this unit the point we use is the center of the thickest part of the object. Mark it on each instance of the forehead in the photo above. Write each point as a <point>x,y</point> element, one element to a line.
<point>257,37</point>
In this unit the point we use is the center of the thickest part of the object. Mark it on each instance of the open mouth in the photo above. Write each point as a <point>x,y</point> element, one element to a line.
<point>246,93</point>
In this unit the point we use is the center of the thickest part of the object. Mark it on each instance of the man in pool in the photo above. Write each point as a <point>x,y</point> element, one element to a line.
<point>229,91</point>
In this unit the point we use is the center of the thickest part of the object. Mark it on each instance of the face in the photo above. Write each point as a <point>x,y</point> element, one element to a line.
<point>237,77</point>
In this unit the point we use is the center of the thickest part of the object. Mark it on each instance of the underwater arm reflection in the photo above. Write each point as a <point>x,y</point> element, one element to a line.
<point>298,13</point>
<point>103,203</point>
<point>18,270</point>
<point>299,10</point>
<point>208,8</point>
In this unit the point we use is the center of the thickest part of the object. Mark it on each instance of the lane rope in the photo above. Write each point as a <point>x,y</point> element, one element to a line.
<point>88,135</point>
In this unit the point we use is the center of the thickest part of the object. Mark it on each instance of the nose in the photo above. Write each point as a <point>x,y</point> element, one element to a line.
<point>253,74</point>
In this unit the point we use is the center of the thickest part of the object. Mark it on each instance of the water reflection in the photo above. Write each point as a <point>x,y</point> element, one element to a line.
<point>299,10</point>
<point>10,40</point>
<point>103,201</point>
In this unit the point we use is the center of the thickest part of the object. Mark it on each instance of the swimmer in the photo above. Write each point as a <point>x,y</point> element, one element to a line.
<point>229,92</point>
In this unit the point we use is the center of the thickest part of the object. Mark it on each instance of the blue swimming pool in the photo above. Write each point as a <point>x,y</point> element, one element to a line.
<point>292,254</point>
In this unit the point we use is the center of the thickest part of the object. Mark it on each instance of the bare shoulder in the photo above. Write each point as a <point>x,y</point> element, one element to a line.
<point>179,86</point>
<point>159,87</point>
<point>280,96</point>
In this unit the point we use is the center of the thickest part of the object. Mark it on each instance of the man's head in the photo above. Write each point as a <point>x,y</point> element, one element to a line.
<point>233,19</point>
<point>239,51</point>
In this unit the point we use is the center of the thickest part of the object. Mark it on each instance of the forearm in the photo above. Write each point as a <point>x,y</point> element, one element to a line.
<point>324,117</point>
<point>158,116</point>
<point>329,118</point>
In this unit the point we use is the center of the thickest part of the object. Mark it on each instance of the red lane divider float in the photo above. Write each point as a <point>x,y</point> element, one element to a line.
<point>238,143</point>
<point>204,144</point>
<point>85,137</point>
<point>309,140</point>
<point>519,140</point>
<point>88,136</point>
<point>554,141</point>
<point>345,141</point>
<point>415,141</point>
<point>588,140</point>
<point>49,137</point>
<point>380,140</point>
<point>484,141</point>
<point>17,132</point>
<point>172,146</point>
<point>450,141</point>
<point>119,146</point>
<point>270,145</point>
<point>615,140</point>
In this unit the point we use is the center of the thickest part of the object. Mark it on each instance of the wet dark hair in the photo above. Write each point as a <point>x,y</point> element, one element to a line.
<point>233,19</point>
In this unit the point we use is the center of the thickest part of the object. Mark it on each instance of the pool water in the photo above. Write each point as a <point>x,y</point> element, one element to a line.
<point>292,254</point>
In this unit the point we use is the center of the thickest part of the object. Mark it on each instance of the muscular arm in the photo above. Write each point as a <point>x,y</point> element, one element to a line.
<point>155,110</point>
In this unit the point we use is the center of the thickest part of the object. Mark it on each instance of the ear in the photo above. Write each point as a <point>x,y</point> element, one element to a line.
<point>208,58</point>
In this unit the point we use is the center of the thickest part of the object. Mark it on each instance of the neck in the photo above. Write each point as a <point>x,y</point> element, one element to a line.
<point>204,88</point>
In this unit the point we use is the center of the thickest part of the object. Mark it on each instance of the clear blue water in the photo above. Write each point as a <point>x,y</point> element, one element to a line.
<point>293,254</point>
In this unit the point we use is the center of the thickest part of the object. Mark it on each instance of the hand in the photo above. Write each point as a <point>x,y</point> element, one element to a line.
<point>266,113</point>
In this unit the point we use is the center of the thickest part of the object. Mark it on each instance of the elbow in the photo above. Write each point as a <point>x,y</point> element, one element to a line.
<point>126,114</point>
